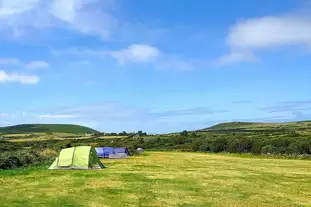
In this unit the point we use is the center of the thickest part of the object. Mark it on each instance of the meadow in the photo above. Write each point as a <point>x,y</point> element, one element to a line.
<point>164,179</point>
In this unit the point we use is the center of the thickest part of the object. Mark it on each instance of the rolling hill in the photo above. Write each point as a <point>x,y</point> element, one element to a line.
<point>259,126</point>
<point>37,128</point>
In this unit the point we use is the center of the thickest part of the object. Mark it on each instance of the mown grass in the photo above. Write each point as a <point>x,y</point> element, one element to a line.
<point>164,179</point>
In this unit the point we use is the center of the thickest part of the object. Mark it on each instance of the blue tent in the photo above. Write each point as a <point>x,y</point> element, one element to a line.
<point>105,152</point>
<point>117,150</point>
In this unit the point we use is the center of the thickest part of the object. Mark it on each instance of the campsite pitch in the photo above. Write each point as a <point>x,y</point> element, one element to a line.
<point>164,179</point>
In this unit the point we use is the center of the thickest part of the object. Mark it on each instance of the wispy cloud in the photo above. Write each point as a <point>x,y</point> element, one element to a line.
<point>302,102</point>
<point>37,65</point>
<point>171,62</point>
<point>4,114</point>
<point>250,35</point>
<point>19,78</point>
<point>57,116</point>
<point>135,53</point>
<point>80,15</point>
<point>80,52</point>
<point>291,106</point>
<point>77,15</point>
<point>10,61</point>
<point>114,112</point>
<point>235,57</point>
<point>242,102</point>
<point>189,111</point>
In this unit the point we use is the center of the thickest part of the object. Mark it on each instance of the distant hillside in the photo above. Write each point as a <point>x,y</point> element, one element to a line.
<point>35,128</point>
<point>259,126</point>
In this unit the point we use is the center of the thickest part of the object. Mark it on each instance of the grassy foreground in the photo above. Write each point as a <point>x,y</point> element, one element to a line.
<point>164,179</point>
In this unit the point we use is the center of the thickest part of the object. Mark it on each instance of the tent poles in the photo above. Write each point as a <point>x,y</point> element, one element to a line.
<point>73,155</point>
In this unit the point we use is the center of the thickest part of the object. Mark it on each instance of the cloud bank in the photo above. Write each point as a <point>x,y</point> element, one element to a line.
<point>248,37</point>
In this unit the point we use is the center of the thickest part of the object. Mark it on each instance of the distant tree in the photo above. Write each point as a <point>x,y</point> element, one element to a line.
<point>268,149</point>
<point>130,135</point>
<point>193,134</point>
<point>140,133</point>
<point>141,140</point>
<point>123,133</point>
<point>184,133</point>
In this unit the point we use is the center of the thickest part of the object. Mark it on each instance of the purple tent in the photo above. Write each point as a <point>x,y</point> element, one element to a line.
<point>106,151</point>
<point>117,150</point>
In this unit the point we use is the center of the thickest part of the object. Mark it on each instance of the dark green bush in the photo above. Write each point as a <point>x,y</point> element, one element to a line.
<point>218,145</point>
<point>268,149</point>
<point>21,158</point>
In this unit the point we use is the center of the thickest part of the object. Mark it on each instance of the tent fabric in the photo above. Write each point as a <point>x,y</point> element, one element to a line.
<point>111,152</point>
<point>100,152</point>
<point>140,150</point>
<point>118,156</point>
<point>104,151</point>
<point>82,157</point>
<point>120,150</point>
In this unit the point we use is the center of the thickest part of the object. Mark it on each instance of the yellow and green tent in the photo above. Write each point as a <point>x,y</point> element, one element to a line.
<point>81,157</point>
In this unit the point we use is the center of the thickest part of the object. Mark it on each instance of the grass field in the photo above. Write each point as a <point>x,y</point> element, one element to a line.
<point>164,179</point>
<point>59,137</point>
<point>300,126</point>
<point>61,128</point>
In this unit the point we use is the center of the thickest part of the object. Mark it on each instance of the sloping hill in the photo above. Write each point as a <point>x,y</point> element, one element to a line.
<point>56,128</point>
<point>260,126</point>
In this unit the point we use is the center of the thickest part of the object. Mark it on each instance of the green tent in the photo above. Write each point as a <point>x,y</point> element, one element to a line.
<point>82,157</point>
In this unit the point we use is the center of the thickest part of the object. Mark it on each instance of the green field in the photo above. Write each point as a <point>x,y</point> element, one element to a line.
<point>261,126</point>
<point>164,179</point>
<point>38,128</point>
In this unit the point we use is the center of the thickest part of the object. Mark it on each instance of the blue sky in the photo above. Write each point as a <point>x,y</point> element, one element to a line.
<point>158,66</point>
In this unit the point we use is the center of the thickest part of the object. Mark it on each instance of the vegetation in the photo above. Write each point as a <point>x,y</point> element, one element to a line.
<point>60,128</point>
<point>233,177</point>
<point>25,157</point>
<point>260,127</point>
<point>164,179</point>
<point>289,143</point>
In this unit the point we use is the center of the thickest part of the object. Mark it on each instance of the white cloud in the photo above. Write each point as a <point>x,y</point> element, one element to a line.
<point>80,52</point>
<point>76,14</point>
<point>175,63</point>
<point>85,16</point>
<point>15,7</point>
<point>19,78</point>
<point>10,61</point>
<point>3,114</point>
<point>267,32</point>
<point>136,53</point>
<point>271,31</point>
<point>37,65</point>
<point>234,57</point>
<point>57,116</point>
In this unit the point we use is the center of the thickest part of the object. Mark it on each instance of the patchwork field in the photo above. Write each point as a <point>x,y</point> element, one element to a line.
<point>164,179</point>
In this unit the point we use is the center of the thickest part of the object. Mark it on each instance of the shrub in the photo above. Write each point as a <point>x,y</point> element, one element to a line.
<point>22,158</point>
<point>268,149</point>
<point>218,145</point>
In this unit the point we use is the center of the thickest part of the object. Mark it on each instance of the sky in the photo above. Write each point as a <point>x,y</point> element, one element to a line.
<point>158,66</point>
